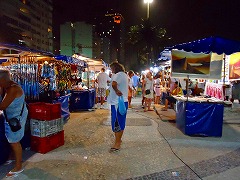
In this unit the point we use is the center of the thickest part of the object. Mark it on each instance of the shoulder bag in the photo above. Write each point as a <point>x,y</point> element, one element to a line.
<point>14,122</point>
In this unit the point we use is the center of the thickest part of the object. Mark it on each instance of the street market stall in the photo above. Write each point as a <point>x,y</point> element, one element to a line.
<point>23,65</point>
<point>73,81</point>
<point>199,116</point>
<point>83,97</point>
<point>27,67</point>
<point>202,58</point>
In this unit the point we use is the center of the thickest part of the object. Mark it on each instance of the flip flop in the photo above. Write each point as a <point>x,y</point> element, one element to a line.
<point>163,109</point>
<point>14,173</point>
<point>9,162</point>
<point>150,110</point>
<point>112,150</point>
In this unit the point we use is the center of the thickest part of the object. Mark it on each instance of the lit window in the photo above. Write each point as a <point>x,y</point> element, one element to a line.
<point>24,10</point>
<point>117,19</point>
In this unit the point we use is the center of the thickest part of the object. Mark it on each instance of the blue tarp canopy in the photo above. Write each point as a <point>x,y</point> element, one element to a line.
<point>70,59</point>
<point>211,44</point>
<point>21,49</point>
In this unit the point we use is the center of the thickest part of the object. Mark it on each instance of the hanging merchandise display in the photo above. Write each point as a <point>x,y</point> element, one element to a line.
<point>24,71</point>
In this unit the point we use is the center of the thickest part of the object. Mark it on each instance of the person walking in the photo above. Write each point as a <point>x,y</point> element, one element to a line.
<point>143,94</point>
<point>13,105</point>
<point>118,87</point>
<point>102,80</point>
<point>130,88</point>
<point>157,89</point>
<point>148,91</point>
<point>136,81</point>
<point>236,91</point>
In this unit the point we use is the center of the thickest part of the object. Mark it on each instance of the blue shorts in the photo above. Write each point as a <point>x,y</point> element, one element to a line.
<point>14,137</point>
<point>118,121</point>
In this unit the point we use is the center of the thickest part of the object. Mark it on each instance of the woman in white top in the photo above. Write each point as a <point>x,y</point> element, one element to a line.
<point>148,91</point>
<point>157,89</point>
<point>130,88</point>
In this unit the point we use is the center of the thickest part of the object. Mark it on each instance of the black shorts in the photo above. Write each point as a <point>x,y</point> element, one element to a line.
<point>171,99</point>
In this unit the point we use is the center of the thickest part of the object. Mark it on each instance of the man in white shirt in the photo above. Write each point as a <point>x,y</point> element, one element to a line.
<point>102,80</point>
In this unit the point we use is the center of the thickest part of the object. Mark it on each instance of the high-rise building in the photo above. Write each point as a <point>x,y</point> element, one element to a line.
<point>111,30</point>
<point>27,22</point>
<point>78,37</point>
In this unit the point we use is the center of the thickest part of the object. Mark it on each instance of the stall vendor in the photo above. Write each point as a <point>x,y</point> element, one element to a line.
<point>170,99</point>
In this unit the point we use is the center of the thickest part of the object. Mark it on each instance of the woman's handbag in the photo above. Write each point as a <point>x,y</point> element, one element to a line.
<point>121,105</point>
<point>147,91</point>
<point>14,122</point>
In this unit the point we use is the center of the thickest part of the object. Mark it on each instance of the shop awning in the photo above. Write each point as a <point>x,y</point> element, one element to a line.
<point>211,44</point>
<point>15,50</point>
<point>71,60</point>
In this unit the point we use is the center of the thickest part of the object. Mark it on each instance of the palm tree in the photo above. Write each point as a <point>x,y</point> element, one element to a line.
<point>148,40</point>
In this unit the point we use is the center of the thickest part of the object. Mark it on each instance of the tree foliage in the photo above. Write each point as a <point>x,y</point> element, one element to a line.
<point>148,40</point>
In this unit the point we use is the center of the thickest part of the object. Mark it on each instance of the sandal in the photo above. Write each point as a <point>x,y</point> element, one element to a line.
<point>164,109</point>
<point>112,150</point>
<point>14,173</point>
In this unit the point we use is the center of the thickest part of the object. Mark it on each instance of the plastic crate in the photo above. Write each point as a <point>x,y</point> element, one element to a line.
<point>45,128</point>
<point>44,111</point>
<point>46,144</point>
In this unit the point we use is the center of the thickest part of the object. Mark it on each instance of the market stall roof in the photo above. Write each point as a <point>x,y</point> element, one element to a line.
<point>93,64</point>
<point>72,60</point>
<point>10,50</point>
<point>211,44</point>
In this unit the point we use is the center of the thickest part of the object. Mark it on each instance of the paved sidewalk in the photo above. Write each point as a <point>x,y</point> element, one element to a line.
<point>153,148</point>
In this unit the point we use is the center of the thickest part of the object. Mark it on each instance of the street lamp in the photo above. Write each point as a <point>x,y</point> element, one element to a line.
<point>148,2</point>
<point>148,6</point>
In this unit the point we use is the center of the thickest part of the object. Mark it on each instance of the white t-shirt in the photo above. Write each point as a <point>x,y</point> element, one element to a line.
<point>149,84</point>
<point>183,83</point>
<point>102,79</point>
<point>157,82</point>
<point>130,82</point>
<point>122,82</point>
<point>173,80</point>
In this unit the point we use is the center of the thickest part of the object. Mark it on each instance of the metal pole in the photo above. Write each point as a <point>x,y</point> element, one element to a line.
<point>148,9</point>
<point>187,86</point>
<point>224,69</point>
<point>88,83</point>
<point>224,75</point>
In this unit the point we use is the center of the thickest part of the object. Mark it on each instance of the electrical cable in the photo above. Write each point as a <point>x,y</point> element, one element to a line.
<point>170,144</point>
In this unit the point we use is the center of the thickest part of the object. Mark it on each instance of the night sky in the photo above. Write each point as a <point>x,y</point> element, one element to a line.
<point>185,20</point>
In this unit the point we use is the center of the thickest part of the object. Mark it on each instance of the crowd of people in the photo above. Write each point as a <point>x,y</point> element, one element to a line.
<point>159,88</point>
<point>154,88</point>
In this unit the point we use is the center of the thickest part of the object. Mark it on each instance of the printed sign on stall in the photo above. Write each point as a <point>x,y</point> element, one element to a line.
<point>234,66</point>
